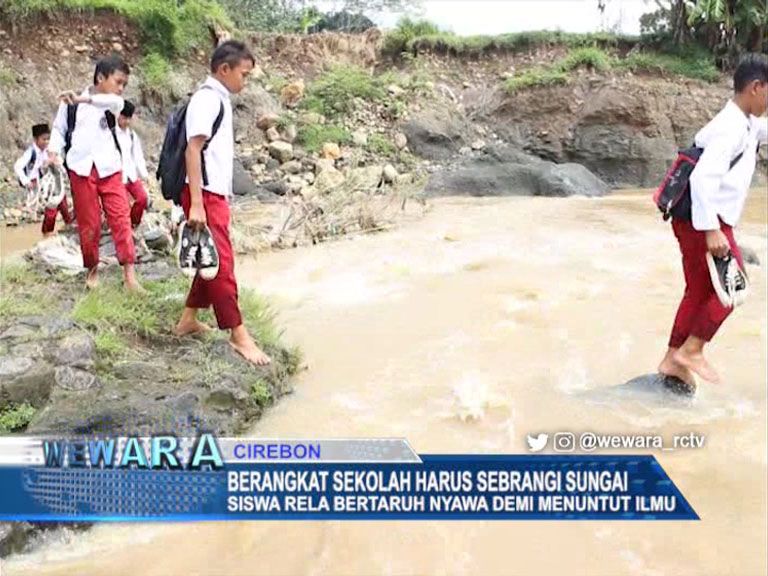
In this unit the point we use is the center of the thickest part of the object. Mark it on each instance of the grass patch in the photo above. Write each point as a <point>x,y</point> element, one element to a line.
<point>15,418</point>
<point>7,77</point>
<point>333,93</point>
<point>693,64</point>
<point>534,77</point>
<point>110,344</point>
<point>587,57</point>
<point>24,292</point>
<point>166,26</point>
<point>111,308</point>
<point>422,36</point>
<point>259,318</point>
<point>155,73</point>
<point>400,39</point>
<point>697,66</point>
<point>313,136</point>
<point>380,145</point>
<point>261,393</point>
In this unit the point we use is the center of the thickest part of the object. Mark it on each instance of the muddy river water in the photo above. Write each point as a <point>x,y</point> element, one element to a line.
<point>487,320</point>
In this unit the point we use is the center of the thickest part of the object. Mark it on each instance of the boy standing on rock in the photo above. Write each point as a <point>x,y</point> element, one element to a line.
<point>134,164</point>
<point>718,190</point>
<point>84,133</point>
<point>205,198</point>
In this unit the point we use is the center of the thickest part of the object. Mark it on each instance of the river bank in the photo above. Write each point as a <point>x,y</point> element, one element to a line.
<point>464,332</point>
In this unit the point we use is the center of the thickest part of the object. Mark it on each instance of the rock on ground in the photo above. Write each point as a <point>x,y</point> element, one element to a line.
<point>436,134</point>
<point>505,171</point>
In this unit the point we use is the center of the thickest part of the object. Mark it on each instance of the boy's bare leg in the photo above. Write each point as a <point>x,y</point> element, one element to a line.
<point>670,367</point>
<point>189,324</point>
<point>92,278</point>
<point>129,279</point>
<point>691,356</point>
<point>241,341</point>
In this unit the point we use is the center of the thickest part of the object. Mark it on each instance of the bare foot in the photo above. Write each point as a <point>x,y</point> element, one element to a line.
<point>49,234</point>
<point>669,367</point>
<point>242,342</point>
<point>187,327</point>
<point>92,279</point>
<point>696,363</point>
<point>135,288</point>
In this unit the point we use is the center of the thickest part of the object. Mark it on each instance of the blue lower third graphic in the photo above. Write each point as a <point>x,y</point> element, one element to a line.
<point>457,487</point>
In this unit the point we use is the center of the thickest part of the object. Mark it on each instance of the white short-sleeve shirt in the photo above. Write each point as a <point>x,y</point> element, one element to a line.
<point>219,157</point>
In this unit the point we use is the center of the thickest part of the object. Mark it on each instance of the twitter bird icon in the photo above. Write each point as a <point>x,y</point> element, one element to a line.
<point>537,443</point>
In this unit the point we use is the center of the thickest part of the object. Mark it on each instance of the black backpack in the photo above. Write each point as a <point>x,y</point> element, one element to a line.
<point>31,163</point>
<point>673,196</point>
<point>172,167</point>
<point>72,119</point>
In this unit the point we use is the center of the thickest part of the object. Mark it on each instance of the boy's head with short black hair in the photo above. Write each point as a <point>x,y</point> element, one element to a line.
<point>111,75</point>
<point>750,82</point>
<point>41,134</point>
<point>231,63</point>
<point>124,120</point>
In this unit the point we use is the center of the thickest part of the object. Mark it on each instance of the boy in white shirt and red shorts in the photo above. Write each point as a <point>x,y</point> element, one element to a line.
<point>206,196</point>
<point>84,132</point>
<point>718,186</point>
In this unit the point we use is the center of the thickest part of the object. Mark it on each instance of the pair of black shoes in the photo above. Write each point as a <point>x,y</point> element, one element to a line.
<point>197,253</point>
<point>728,279</point>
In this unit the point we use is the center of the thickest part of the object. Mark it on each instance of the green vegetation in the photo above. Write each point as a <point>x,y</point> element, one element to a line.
<point>156,74</point>
<point>110,308</point>
<point>261,393</point>
<point>168,27</point>
<point>333,93</point>
<point>691,64</point>
<point>295,16</point>
<point>424,36</point>
<point>110,344</point>
<point>24,292</point>
<point>534,77</point>
<point>7,77</point>
<point>702,68</point>
<point>313,136</point>
<point>380,145</point>
<point>588,57</point>
<point>724,28</point>
<point>400,39</point>
<point>15,418</point>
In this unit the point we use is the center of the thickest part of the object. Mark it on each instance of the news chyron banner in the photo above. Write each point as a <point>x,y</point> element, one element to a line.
<point>165,478</point>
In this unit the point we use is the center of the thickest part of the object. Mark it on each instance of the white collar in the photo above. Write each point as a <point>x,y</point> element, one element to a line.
<point>216,85</point>
<point>737,112</point>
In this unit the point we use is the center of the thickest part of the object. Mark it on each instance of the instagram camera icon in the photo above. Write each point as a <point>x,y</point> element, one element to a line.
<point>564,442</point>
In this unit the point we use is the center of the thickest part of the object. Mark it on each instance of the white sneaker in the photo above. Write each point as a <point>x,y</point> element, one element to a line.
<point>207,256</point>
<point>187,250</point>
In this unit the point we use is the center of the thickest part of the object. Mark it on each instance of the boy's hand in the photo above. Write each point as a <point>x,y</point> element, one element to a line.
<point>68,97</point>
<point>53,159</point>
<point>717,243</point>
<point>196,217</point>
<point>71,97</point>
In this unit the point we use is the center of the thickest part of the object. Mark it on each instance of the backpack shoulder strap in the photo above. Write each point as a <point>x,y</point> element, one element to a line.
<point>71,120</point>
<point>218,121</point>
<point>111,123</point>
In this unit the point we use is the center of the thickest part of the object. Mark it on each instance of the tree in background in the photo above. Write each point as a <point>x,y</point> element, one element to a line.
<point>727,28</point>
<point>303,16</point>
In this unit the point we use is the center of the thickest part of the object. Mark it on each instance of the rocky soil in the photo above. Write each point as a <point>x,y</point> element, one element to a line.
<point>439,116</point>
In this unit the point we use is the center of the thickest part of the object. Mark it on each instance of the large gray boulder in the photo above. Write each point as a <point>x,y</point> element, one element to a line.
<point>25,380</point>
<point>242,183</point>
<point>436,134</point>
<point>505,171</point>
